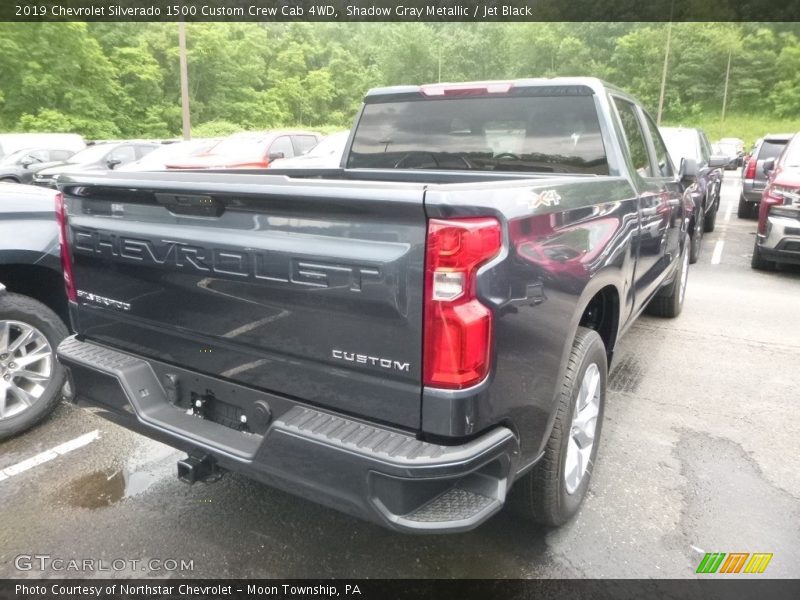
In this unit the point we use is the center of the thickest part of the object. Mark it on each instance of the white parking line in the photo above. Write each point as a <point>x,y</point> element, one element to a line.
<point>48,455</point>
<point>728,211</point>
<point>717,256</point>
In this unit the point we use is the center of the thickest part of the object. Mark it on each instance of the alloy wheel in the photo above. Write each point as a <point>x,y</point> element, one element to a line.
<point>582,429</point>
<point>27,364</point>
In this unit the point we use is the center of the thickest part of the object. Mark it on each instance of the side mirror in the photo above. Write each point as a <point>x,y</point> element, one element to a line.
<point>718,161</point>
<point>688,171</point>
<point>275,155</point>
<point>25,163</point>
<point>113,162</point>
<point>768,166</point>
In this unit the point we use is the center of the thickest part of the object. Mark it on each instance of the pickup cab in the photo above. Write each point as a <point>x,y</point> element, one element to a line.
<point>405,338</point>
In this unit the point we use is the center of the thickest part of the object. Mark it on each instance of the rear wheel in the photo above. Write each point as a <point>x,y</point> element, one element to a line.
<point>553,491</point>
<point>669,302</point>
<point>697,237</point>
<point>758,262</point>
<point>710,219</point>
<point>30,376</point>
<point>8,180</point>
<point>745,209</point>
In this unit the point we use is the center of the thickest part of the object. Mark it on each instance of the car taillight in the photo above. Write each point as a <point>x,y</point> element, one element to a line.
<point>63,237</point>
<point>458,327</point>
<point>750,172</point>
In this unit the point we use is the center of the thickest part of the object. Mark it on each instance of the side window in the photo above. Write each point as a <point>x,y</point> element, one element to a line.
<point>304,143</point>
<point>60,154</point>
<point>284,145</point>
<point>142,151</point>
<point>40,155</point>
<point>124,154</point>
<point>633,132</point>
<point>662,156</point>
<point>705,147</point>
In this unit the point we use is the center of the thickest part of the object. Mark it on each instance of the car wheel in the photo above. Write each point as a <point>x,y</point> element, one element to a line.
<point>553,491</point>
<point>758,262</point>
<point>669,302</point>
<point>8,180</point>
<point>696,238</point>
<point>745,209</point>
<point>710,219</point>
<point>30,376</point>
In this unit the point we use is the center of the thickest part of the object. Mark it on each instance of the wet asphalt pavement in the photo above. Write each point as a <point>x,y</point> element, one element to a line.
<point>699,454</point>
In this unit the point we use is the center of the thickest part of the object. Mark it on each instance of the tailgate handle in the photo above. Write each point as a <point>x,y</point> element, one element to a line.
<point>191,204</point>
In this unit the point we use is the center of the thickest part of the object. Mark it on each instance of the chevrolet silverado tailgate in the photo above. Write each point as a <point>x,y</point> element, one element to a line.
<point>307,288</point>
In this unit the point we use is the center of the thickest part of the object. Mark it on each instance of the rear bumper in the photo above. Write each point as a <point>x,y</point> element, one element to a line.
<point>371,471</point>
<point>751,192</point>
<point>782,241</point>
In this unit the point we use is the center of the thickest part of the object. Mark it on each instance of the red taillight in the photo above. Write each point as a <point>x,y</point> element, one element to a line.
<point>63,237</point>
<point>768,199</point>
<point>458,328</point>
<point>750,172</point>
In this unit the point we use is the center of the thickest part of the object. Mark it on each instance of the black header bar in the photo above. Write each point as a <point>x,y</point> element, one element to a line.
<point>399,10</point>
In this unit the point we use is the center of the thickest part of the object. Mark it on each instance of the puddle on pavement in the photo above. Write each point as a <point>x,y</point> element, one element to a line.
<point>103,488</point>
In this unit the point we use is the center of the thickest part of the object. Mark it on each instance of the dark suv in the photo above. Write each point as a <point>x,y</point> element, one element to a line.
<point>754,179</point>
<point>778,237</point>
<point>687,144</point>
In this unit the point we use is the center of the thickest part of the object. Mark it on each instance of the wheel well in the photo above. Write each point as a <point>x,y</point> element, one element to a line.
<point>40,283</point>
<point>602,315</point>
<point>10,178</point>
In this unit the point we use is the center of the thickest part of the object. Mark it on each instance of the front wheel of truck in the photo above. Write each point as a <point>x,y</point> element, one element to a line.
<point>553,491</point>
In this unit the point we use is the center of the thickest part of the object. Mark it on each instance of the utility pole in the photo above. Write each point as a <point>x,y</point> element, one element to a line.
<point>725,93</point>
<point>187,123</point>
<point>664,70</point>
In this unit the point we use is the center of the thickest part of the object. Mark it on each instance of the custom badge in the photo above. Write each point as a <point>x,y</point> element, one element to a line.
<point>546,198</point>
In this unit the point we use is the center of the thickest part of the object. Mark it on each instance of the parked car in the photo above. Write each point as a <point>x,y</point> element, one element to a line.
<point>738,145</point>
<point>98,157</point>
<point>778,236</point>
<point>687,144</point>
<point>754,178</point>
<point>12,142</point>
<point>251,150</point>
<point>20,166</point>
<point>406,337</point>
<point>157,159</point>
<point>33,307</point>
<point>731,151</point>
<point>325,155</point>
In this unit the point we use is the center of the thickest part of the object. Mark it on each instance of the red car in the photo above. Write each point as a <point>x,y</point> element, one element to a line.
<point>778,236</point>
<point>251,150</point>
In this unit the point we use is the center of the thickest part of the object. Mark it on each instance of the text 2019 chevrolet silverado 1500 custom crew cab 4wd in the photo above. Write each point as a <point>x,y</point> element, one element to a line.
<point>403,338</point>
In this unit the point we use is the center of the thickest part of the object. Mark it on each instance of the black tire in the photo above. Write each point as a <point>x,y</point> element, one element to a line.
<point>14,307</point>
<point>541,494</point>
<point>758,262</point>
<point>745,209</point>
<point>669,301</point>
<point>696,238</point>
<point>710,218</point>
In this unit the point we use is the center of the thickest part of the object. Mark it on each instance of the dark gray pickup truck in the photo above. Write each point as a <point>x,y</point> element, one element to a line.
<point>404,338</point>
